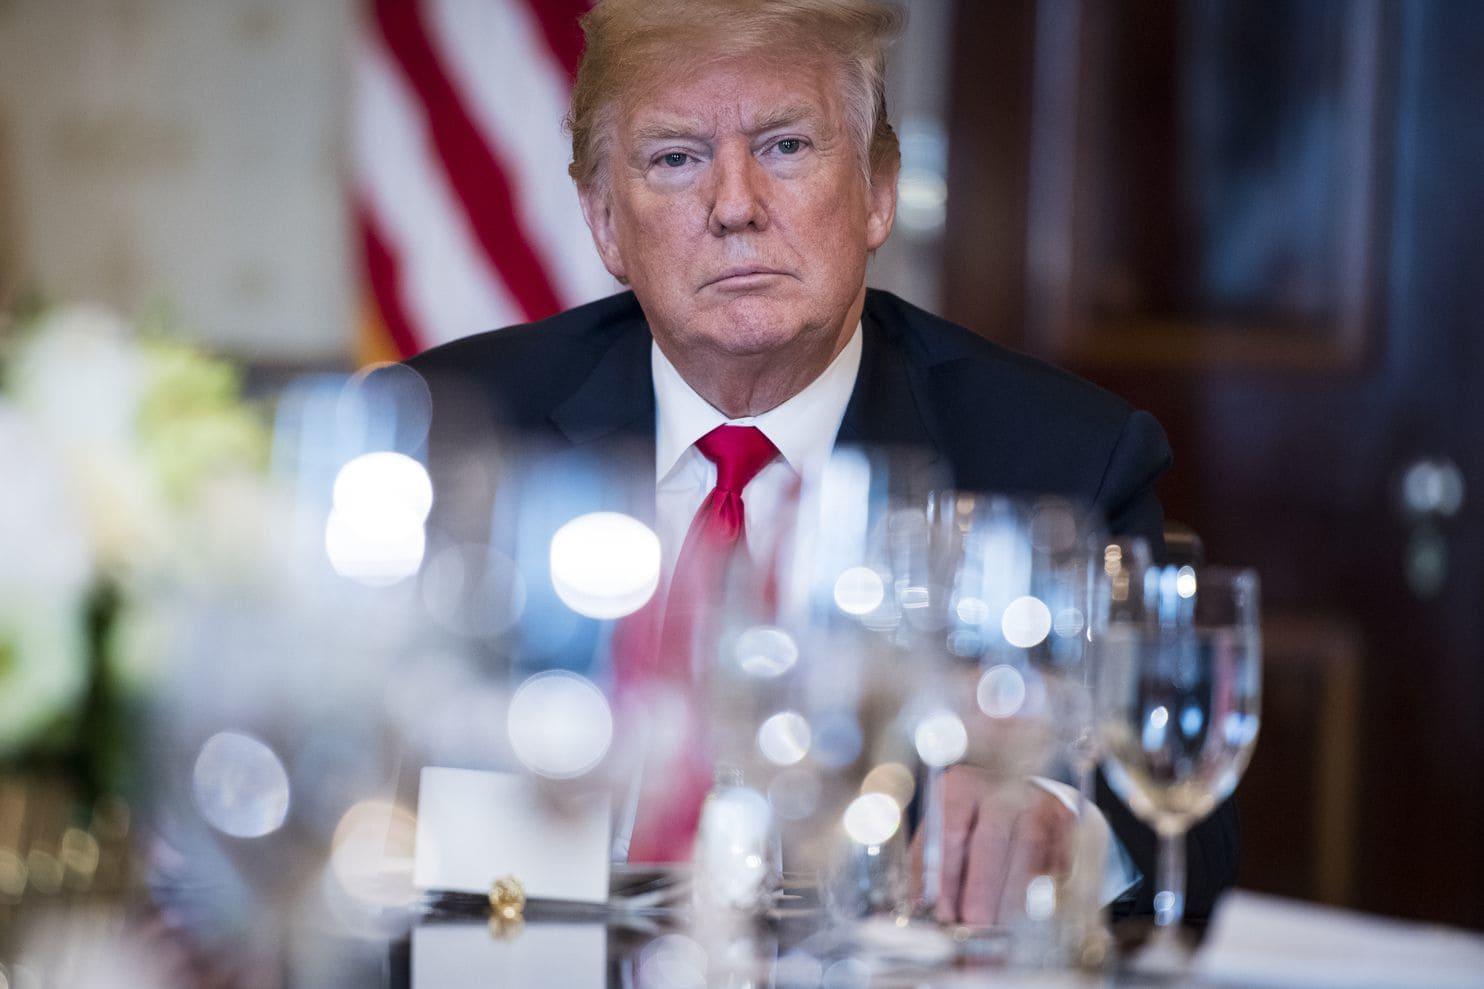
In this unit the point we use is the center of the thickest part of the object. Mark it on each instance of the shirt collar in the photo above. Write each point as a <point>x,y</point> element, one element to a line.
<point>802,428</point>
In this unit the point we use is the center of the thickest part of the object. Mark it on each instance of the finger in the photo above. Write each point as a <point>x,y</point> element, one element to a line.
<point>959,790</point>
<point>1027,859</point>
<point>989,848</point>
<point>1038,847</point>
<point>1062,828</point>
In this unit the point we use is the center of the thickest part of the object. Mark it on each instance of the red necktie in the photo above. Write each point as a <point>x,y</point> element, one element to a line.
<point>666,825</point>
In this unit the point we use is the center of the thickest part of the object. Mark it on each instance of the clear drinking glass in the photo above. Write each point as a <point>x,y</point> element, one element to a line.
<point>1005,614</point>
<point>1177,694</point>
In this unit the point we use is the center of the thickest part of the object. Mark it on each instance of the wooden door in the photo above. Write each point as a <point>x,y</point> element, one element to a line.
<point>1265,224</point>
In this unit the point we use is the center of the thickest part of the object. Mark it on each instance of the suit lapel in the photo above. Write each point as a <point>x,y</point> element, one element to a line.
<point>615,403</point>
<point>890,408</point>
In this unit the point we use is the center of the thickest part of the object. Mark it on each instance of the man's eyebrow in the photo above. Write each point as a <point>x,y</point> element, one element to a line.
<point>783,117</point>
<point>668,130</point>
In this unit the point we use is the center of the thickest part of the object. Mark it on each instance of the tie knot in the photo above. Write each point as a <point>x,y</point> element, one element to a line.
<point>738,452</point>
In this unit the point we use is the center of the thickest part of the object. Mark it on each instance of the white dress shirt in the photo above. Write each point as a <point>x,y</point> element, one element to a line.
<point>803,429</point>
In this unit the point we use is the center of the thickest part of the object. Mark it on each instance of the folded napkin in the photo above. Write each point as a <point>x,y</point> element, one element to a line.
<point>1258,940</point>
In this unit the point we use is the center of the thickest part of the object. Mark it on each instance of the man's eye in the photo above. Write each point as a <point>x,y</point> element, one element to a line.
<point>789,145</point>
<point>675,159</point>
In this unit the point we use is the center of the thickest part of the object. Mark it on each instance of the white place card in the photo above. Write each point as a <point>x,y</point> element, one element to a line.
<point>455,956</point>
<point>475,827</point>
<point>1257,940</point>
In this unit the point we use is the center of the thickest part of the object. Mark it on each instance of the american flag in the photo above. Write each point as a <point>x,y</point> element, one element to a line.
<point>466,218</point>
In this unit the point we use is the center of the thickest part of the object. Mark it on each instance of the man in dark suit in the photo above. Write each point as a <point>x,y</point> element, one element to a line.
<point>737,170</point>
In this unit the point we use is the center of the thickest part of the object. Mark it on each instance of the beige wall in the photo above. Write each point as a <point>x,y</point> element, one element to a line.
<point>184,151</point>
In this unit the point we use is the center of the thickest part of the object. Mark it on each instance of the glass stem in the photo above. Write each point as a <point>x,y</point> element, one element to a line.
<point>932,844</point>
<point>1169,896</point>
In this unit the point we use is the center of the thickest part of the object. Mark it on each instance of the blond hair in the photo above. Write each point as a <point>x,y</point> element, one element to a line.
<point>627,39</point>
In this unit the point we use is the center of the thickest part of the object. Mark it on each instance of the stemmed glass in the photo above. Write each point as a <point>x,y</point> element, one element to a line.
<point>1014,579</point>
<point>1177,694</point>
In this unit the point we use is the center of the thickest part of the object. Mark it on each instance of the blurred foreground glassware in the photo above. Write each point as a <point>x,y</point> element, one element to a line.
<point>737,867</point>
<point>1009,583</point>
<point>1178,689</point>
<point>867,874</point>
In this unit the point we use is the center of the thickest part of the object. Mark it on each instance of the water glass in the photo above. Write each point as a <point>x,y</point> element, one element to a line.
<point>1178,689</point>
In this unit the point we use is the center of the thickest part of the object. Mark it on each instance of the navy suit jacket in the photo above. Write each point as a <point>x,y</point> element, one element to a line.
<point>981,418</point>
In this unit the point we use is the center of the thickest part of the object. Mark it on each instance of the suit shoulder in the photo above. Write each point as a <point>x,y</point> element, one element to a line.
<point>519,374</point>
<point>532,351</point>
<point>982,371</point>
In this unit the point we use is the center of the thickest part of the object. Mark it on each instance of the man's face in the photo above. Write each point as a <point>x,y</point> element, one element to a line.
<point>737,210</point>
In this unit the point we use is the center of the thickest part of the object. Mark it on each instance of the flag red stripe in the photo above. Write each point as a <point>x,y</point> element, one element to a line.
<point>473,171</point>
<point>382,272</point>
<point>558,20</point>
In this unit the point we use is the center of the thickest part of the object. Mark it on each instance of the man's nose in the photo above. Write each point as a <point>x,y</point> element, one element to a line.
<point>737,193</point>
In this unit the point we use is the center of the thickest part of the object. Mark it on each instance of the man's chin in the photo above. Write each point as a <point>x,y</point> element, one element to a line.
<point>737,340</point>
<point>752,325</point>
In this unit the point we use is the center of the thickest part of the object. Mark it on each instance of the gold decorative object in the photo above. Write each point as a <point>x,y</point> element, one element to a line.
<point>507,907</point>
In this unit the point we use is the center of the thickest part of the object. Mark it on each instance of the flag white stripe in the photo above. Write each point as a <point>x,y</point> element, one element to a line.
<point>448,288</point>
<point>517,94</point>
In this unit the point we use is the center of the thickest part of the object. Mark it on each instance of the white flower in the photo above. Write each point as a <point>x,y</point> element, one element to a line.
<point>43,666</point>
<point>44,550</point>
<point>45,572</point>
<point>80,377</point>
<point>129,519</point>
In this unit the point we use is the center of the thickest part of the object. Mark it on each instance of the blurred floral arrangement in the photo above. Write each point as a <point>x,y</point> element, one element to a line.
<point>129,458</point>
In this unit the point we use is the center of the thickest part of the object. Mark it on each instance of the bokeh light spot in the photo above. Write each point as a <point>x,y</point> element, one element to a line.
<point>893,779</point>
<point>374,551</point>
<point>384,485</point>
<point>1155,728</point>
<point>1001,691</point>
<point>859,591</point>
<point>1069,623</point>
<point>560,725</point>
<point>374,533</point>
<point>783,738</point>
<point>605,564</point>
<point>971,610</point>
<point>240,786</point>
<point>1040,898</point>
<point>941,738</point>
<point>872,818</point>
<point>672,961</point>
<point>1192,720</point>
<point>371,854</point>
<point>765,651</point>
<point>1026,622</point>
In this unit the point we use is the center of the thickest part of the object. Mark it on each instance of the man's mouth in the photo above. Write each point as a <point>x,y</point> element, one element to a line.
<point>744,276</point>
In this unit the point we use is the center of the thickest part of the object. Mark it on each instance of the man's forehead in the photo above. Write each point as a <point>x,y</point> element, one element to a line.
<point>751,97</point>
<point>659,122</point>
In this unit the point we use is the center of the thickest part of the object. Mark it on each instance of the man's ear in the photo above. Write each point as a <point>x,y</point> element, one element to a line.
<point>598,213</point>
<point>881,206</point>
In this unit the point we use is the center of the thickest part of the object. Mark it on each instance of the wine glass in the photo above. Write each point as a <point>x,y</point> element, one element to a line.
<point>1177,694</point>
<point>989,597</point>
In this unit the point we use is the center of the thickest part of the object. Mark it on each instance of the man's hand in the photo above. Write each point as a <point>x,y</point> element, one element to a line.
<point>997,837</point>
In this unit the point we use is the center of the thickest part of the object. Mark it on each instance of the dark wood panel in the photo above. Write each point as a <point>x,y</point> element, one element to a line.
<point>1289,455</point>
<point>1222,162</point>
<point>1307,762</point>
<point>989,127</point>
